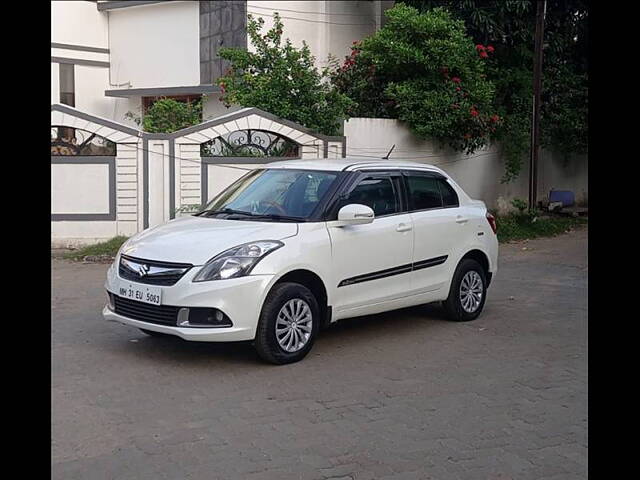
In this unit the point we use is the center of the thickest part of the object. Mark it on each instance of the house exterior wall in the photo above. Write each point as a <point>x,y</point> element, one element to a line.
<point>155,45</point>
<point>121,106</point>
<point>478,174</point>
<point>328,27</point>
<point>78,23</point>
<point>176,43</point>
<point>74,27</point>
<point>361,17</point>
<point>212,107</point>
<point>88,84</point>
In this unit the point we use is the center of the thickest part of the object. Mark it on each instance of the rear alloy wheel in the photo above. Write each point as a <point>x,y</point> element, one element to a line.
<point>288,324</point>
<point>471,291</point>
<point>467,293</point>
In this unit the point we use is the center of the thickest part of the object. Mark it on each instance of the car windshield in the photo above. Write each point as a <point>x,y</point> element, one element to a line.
<point>272,194</point>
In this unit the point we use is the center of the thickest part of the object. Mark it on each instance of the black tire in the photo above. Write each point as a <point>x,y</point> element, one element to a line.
<point>155,334</point>
<point>266,342</point>
<point>453,305</point>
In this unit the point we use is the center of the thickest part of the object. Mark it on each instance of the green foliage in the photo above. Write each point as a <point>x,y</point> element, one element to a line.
<point>525,215</point>
<point>282,80</point>
<point>189,208</point>
<point>514,92</point>
<point>509,26</point>
<point>168,115</point>
<point>565,110</point>
<point>520,227</point>
<point>102,250</point>
<point>423,69</point>
<point>519,204</point>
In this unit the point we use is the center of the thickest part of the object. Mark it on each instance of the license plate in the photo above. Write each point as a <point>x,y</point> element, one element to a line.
<point>140,293</point>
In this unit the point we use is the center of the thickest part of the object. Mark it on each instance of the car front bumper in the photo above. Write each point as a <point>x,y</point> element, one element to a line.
<point>240,299</point>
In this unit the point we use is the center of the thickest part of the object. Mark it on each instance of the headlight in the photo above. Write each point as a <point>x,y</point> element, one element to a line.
<point>237,261</point>
<point>116,259</point>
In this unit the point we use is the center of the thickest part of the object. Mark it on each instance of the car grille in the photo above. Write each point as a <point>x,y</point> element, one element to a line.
<point>157,273</point>
<point>160,314</point>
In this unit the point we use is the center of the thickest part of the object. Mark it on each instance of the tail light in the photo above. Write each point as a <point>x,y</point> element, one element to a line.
<point>492,221</point>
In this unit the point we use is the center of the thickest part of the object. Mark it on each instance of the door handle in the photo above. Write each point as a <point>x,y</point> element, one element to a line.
<point>403,227</point>
<point>461,219</point>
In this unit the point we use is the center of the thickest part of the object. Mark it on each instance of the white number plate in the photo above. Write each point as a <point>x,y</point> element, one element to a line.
<point>140,293</point>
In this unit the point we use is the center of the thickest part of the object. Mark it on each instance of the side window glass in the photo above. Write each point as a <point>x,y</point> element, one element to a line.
<point>424,192</point>
<point>377,193</point>
<point>449,195</point>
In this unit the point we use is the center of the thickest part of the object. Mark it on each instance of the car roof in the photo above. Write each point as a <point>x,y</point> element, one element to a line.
<point>351,164</point>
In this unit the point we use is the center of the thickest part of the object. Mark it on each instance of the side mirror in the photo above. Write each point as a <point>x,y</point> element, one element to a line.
<point>354,214</point>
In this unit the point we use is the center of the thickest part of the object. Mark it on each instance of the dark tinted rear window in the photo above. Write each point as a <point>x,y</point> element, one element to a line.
<point>424,192</point>
<point>449,195</point>
<point>427,192</point>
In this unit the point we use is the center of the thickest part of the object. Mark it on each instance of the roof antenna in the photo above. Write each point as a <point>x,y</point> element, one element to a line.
<point>387,156</point>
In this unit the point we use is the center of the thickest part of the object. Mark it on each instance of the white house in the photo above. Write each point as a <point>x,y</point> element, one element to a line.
<point>113,57</point>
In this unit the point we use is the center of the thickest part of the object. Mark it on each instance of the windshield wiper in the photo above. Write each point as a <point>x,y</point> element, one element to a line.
<point>256,216</point>
<point>275,216</point>
<point>208,213</point>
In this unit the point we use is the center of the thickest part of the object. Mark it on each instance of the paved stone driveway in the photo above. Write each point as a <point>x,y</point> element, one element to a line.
<point>401,395</point>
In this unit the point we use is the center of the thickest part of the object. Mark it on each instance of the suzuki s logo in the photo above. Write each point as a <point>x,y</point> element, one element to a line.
<point>143,270</point>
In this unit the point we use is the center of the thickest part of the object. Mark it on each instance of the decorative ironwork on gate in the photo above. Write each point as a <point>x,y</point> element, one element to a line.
<point>74,141</point>
<point>250,143</point>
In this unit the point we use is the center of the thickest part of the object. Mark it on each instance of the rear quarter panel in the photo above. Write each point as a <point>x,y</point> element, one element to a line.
<point>478,235</point>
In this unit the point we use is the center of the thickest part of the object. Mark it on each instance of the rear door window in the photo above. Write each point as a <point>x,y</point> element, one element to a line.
<point>427,191</point>
<point>424,192</point>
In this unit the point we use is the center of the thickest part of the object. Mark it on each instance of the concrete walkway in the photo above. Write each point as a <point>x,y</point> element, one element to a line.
<point>401,395</point>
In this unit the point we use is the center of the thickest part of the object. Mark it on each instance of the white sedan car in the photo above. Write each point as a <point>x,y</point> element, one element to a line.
<point>297,245</point>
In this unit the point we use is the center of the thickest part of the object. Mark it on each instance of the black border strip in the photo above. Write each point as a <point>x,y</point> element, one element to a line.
<point>409,267</point>
<point>432,262</point>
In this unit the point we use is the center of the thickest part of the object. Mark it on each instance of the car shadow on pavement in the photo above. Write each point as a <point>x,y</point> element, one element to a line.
<point>173,350</point>
<point>364,331</point>
<point>401,318</point>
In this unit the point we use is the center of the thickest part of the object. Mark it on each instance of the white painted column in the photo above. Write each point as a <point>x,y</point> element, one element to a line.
<point>188,176</point>
<point>127,205</point>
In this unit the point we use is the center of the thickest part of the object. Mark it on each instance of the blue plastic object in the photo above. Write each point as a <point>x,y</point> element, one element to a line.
<point>565,196</point>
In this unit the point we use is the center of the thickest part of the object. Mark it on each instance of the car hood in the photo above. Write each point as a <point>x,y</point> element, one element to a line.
<point>195,240</point>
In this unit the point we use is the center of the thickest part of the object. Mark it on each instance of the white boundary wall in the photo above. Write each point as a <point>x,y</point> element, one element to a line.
<point>478,174</point>
<point>153,176</point>
<point>78,211</point>
<point>191,188</point>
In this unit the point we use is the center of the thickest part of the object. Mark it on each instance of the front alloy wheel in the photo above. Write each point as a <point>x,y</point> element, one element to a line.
<point>294,325</point>
<point>288,323</point>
